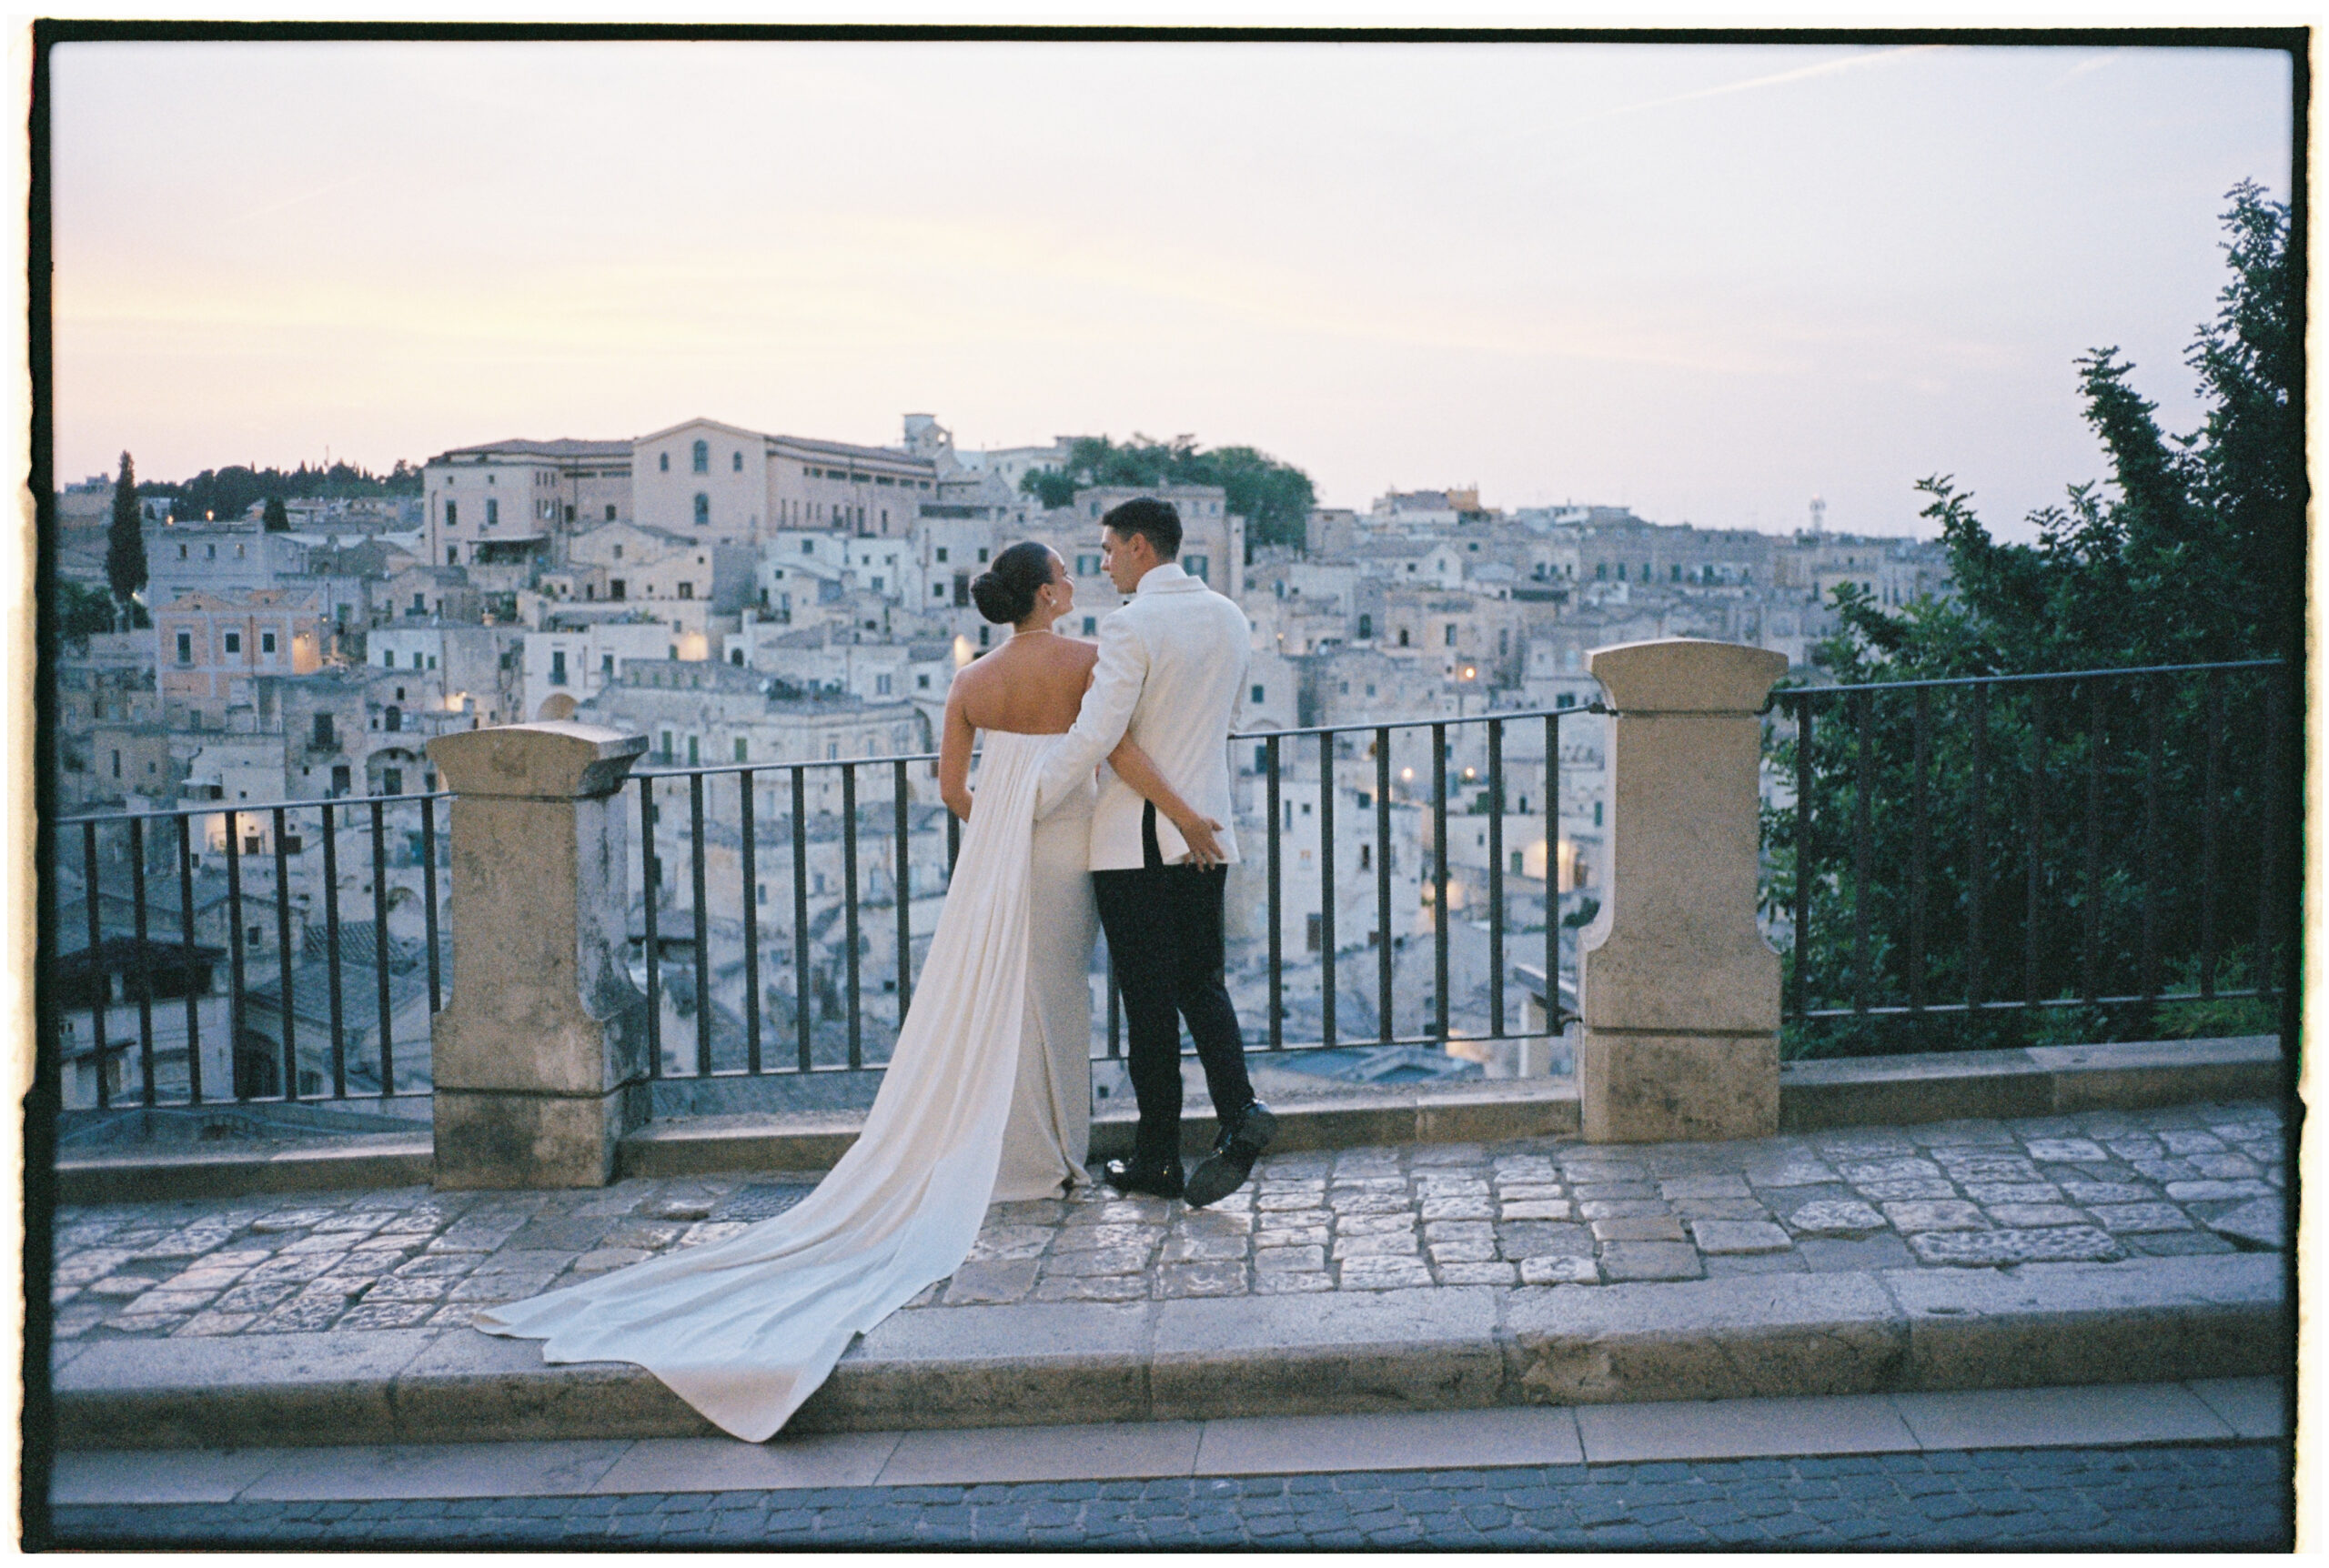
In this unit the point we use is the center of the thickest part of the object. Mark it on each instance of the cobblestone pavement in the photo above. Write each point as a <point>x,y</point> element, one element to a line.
<point>2097,1186</point>
<point>2211,1496</point>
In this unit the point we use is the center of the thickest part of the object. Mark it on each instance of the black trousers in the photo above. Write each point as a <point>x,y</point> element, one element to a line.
<point>1163,926</point>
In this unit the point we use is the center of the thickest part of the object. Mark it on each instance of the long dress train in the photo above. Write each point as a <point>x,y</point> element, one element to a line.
<point>745,1330</point>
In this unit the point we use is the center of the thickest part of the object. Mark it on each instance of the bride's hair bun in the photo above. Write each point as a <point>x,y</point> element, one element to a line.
<point>1005,592</point>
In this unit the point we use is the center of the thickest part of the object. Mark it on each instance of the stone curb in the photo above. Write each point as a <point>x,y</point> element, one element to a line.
<point>1941,1086</point>
<point>1478,1112</point>
<point>1445,1348</point>
<point>375,1162</point>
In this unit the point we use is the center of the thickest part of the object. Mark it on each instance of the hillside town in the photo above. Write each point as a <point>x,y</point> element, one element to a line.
<point>770,600</point>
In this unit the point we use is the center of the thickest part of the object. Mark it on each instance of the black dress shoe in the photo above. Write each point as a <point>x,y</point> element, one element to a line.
<point>1240,1144</point>
<point>1132,1176</point>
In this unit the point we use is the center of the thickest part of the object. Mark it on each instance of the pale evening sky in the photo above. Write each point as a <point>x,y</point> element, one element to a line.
<point>1705,281</point>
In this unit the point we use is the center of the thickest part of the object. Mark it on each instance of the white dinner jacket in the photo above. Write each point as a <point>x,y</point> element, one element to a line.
<point>1172,661</point>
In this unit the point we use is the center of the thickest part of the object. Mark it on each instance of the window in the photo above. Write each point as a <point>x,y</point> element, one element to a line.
<point>392,720</point>
<point>760,892</point>
<point>663,462</point>
<point>452,554</point>
<point>742,756</point>
<point>558,667</point>
<point>666,753</point>
<point>339,777</point>
<point>234,642</point>
<point>937,590</point>
<point>267,643</point>
<point>1366,628</point>
<point>117,764</point>
<point>615,588</point>
<point>1197,566</point>
<point>1091,625</point>
<point>323,739</point>
<point>942,559</point>
<point>687,591</point>
<point>1403,636</point>
<point>416,658</point>
<point>1519,859</point>
<point>1257,694</point>
<point>182,552</point>
<point>1311,942</point>
<point>982,556</point>
<point>210,552</point>
<point>1366,852</point>
<point>921,682</point>
<point>1597,813</point>
<point>702,510</point>
<point>607,666</point>
<point>1566,699</point>
<point>692,758</point>
<point>610,511</point>
<point>701,457</point>
<point>807,547</point>
<point>186,648</point>
<point>392,778</point>
<point>1086,565</point>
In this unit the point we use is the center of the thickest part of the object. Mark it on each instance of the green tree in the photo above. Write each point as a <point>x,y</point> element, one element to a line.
<point>2190,552</point>
<point>1274,498</point>
<point>126,539</point>
<point>82,613</point>
<point>276,519</point>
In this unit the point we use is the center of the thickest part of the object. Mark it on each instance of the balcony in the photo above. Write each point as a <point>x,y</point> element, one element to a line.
<point>1926,884</point>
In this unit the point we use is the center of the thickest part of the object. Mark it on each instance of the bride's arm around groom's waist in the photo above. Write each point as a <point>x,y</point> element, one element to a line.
<point>1106,713</point>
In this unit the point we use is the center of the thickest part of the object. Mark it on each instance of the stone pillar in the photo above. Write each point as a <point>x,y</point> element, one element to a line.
<point>541,1055</point>
<point>1680,991</point>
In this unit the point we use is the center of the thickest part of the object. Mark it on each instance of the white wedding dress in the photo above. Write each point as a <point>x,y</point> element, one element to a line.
<point>987,1096</point>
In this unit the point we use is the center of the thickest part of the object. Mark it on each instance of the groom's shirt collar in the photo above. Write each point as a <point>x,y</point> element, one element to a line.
<point>1164,577</point>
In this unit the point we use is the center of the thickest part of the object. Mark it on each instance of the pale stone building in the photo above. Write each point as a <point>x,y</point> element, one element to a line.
<point>209,648</point>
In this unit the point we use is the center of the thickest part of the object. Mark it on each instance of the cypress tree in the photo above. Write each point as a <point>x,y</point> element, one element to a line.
<point>126,540</point>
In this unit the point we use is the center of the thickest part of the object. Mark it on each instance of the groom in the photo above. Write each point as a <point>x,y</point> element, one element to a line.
<point>1171,662</point>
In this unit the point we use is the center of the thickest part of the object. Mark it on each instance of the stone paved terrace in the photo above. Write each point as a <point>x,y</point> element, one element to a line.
<point>2098,1186</point>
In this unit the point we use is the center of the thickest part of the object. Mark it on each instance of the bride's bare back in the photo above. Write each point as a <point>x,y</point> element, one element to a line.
<point>1032,685</point>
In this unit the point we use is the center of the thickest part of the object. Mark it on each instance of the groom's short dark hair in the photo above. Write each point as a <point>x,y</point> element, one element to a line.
<point>1156,521</point>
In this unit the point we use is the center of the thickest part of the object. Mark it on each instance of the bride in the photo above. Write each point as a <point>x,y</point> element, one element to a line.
<point>987,1095</point>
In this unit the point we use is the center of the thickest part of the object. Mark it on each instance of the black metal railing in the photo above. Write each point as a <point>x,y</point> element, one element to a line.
<point>156,971</point>
<point>2109,828</point>
<point>844,1037</point>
